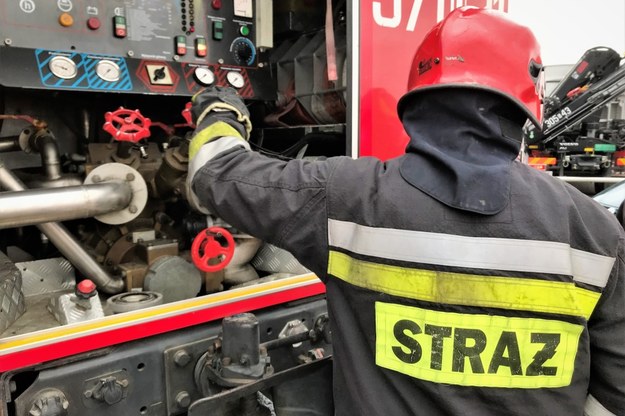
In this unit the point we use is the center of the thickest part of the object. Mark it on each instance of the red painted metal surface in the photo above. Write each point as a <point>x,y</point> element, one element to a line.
<point>390,32</point>
<point>30,355</point>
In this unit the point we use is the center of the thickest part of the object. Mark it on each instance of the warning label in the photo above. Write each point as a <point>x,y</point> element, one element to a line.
<point>475,350</point>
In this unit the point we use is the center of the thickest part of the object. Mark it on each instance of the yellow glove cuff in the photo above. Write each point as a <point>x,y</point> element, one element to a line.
<point>210,133</point>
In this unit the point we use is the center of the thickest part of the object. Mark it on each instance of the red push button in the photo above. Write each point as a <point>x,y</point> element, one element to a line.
<point>200,47</point>
<point>86,287</point>
<point>181,45</point>
<point>93,23</point>
<point>119,26</point>
<point>216,4</point>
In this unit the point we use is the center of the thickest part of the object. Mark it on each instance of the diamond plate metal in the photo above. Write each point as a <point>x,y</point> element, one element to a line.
<point>12,302</point>
<point>47,276</point>
<point>276,260</point>
<point>67,310</point>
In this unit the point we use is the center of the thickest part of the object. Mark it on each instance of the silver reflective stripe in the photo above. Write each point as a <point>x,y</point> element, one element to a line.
<point>206,153</point>
<point>471,252</point>
<point>594,408</point>
<point>213,148</point>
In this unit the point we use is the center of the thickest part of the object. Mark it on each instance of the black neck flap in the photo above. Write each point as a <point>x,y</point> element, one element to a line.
<point>462,145</point>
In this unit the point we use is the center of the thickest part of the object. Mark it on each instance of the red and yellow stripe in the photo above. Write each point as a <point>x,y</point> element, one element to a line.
<point>42,346</point>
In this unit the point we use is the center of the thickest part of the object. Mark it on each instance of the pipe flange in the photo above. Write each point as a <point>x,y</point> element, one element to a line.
<point>110,172</point>
<point>132,301</point>
<point>27,138</point>
<point>24,140</point>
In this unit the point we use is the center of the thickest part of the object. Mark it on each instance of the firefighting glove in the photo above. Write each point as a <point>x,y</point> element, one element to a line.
<point>217,112</point>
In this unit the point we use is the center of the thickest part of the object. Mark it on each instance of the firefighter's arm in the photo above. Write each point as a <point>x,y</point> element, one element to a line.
<point>222,122</point>
<point>607,346</point>
<point>280,202</point>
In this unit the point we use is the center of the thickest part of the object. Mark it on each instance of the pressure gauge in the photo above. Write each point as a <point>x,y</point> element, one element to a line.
<point>63,67</point>
<point>235,79</point>
<point>204,76</point>
<point>108,70</point>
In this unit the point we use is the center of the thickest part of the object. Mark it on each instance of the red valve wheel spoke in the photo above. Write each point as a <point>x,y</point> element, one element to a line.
<point>130,128</point>
<point>118,120</point>
<point>223,251</point>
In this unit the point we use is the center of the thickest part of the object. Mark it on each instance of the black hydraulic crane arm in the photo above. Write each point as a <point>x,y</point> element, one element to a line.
<point>593,66</point>
<point>595,79</point>
<point>595,97</point>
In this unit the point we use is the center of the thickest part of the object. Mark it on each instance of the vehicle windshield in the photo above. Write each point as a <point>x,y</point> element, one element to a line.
<point>612,197</point>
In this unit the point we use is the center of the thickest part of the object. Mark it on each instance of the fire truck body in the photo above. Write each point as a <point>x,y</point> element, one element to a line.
<point>94,137</point>
<point>93,158</point>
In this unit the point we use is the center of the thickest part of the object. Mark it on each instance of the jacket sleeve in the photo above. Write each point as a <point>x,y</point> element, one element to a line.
<point>607,346</point>
<point>282,203</point>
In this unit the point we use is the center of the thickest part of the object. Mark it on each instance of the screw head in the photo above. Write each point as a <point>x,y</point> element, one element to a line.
<point>182,358</point>
<point>183,399</point>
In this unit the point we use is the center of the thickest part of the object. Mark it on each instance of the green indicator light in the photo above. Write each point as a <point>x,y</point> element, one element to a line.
<point>244,30</point>
<point>218,30</point>
<point>605,148</point>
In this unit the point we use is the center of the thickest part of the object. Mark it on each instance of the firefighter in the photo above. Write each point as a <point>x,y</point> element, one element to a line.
<point>459,280</point>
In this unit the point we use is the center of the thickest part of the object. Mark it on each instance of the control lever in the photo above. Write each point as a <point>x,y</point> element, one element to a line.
<point>159,73</point>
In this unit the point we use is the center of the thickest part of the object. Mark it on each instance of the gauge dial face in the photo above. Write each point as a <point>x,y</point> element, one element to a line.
<point>63,67</point>
<point>108,70</point>
<point>204,76</point>
<point>235,79</point>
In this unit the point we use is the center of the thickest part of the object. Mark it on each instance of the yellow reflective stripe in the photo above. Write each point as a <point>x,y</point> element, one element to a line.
<point>210,133</point>
<point>475,350</point>
<point>465,289</point>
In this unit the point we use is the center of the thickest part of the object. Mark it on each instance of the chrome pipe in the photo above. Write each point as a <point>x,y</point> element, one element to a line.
<point>70,248</point>
<point>11,144</point>
<point>36,206</point>
<point>50,159</point>
<point>66,243</point>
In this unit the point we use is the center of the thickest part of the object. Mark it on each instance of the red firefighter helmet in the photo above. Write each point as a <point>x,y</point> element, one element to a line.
<point>480,48</point>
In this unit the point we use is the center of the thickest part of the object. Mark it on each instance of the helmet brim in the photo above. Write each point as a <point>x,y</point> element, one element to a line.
<point>405,99</point>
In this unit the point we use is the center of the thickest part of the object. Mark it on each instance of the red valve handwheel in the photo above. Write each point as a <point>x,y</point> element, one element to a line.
<point>206,247</point>
<point>127,125</point>
<point>186,114</point>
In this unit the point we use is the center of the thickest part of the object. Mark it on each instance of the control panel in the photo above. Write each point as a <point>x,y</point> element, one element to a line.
<point>134,46</point>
